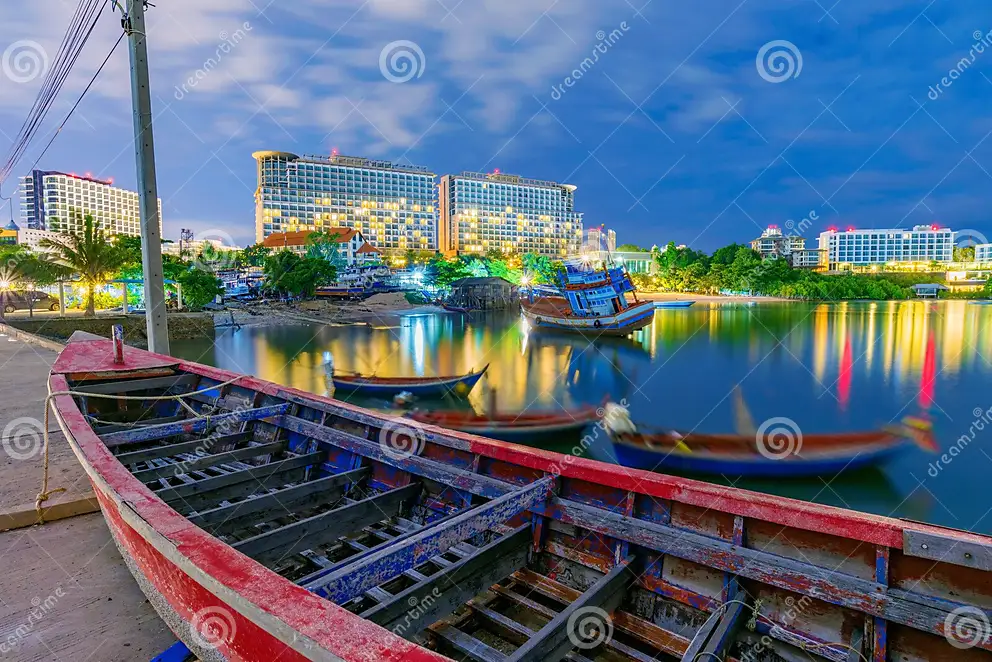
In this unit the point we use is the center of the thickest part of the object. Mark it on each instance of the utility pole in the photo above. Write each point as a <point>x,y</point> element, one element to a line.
<point>144,149</point>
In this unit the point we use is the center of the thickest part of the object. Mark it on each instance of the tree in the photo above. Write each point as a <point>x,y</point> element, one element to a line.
<point>541,268</point>
<point>964,254</point>
<point>254,255</point>
<point>88,254</point>
<point>288,273</point>
<point>631,248</point>
<point>199,286</point>
<point>325,246</point>
<point>442,272</point>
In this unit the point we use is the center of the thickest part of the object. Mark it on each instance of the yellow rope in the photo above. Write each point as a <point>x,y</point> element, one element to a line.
<point>47,494</point>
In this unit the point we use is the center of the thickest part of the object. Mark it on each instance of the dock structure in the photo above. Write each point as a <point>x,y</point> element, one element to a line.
<point>66,592</point>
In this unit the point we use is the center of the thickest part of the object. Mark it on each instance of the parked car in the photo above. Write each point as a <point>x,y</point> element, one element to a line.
<point>11,301</point>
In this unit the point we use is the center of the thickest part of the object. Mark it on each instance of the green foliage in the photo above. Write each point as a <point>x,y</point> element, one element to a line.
<point>442,272</point>
<point>987,290</point>
<point>200,287</point>
<point>323,246</point>
<point>415,298</point>
<point>286,273</point>
<point>89,255</point>
<point>631,248</point>
<point>541,268</point>
<point>254,256</point>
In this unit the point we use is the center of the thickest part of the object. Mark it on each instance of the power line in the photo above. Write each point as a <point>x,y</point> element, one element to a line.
<point>80,29</point>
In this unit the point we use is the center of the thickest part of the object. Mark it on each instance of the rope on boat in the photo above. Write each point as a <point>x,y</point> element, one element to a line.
<point>45,494</point>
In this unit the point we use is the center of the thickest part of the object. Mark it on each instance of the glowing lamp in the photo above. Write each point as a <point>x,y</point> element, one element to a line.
<point>4,284</point>
<point>832,228</point>
<point>934,227</point>
<point>850,228</point>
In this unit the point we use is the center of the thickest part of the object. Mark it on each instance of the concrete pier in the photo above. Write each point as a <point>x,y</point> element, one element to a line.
<point>65,593</point>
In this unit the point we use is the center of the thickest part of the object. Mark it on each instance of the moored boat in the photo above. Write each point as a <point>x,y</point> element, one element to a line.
<point>776,453</point>
<point>673,304</point>
<point>263,523</point>
<point>523,427</point>
<point>421,387</point>
<point>456,309</point>
<point>590,301</point>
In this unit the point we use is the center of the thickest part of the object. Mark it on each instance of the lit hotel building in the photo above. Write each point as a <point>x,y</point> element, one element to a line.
<point>772,243</point>
<point>865,248</point>
<point>393,206</point>
<point>58,201</point>
<point>983,253</point>
<point>481,212</point>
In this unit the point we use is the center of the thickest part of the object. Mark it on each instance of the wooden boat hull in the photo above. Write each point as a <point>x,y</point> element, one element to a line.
<point>560,428</point>
<point>673,304</point>
<point>421,387</point>
<point>756,465</point>
<point>553,528</point>
<point>548,316</point>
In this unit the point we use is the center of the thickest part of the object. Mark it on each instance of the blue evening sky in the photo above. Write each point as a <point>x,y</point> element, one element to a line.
<point>673,133</point>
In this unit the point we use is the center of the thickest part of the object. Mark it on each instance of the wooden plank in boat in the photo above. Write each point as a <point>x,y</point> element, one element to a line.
<point>191,425</point>
<point>509,629</point>
<point>444,591</point>
<point>553,641</point>
<point>288,497</point>
<point>201,462</point>
<point>437,471</point>
<point>825,584</point>
<point>126,386</point>
<point>714,637</point>
<point>169,450</point>
<point>255,474</point>
<point>409,551</point>
<point>102,430</point>
<point>331,525</point>
<point>933,546</point>
<point>467,644</point>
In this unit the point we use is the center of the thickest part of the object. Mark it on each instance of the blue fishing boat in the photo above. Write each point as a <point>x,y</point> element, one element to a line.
<point>673,304</point>
<point>590,301</point>
<point>421,387</point>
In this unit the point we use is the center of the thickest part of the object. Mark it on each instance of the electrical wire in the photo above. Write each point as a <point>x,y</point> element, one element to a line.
<point>78,33</point>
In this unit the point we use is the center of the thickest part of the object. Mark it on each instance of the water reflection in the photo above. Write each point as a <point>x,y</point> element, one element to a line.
<point>845,366</point>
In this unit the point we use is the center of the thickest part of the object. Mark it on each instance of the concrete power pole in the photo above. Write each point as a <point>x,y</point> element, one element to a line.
<point>144,149</point>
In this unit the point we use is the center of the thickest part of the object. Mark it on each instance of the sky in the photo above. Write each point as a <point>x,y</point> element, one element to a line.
<point>699,123</point>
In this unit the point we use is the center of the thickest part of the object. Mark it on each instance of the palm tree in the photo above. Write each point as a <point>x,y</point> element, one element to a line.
<point>22,270</point>
<point>88,254</point>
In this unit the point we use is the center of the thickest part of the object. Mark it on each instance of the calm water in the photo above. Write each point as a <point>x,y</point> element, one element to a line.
<point>828,367</point>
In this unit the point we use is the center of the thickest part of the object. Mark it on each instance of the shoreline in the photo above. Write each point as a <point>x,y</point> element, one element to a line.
<point>378,311</point>
<point>708,298</point>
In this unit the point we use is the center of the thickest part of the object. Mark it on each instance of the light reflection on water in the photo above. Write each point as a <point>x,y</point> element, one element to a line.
<point>829,367</point>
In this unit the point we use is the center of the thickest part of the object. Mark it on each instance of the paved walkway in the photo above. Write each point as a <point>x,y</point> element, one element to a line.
<point>65,593</point>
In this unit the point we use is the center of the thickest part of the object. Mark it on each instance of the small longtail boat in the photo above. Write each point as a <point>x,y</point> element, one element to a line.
<point>590,301</point>
<point>421,387</point>
<point>263,522</point>
<point>456,309</point>
<point>673,304</point>
<point>524,427</point>
<point>761,456</point>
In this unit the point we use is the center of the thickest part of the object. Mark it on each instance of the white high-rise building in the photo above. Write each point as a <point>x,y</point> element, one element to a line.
<point>513,214</point>
<point>392,205</point>
<point>58,202</point>
<point>856,248</point>
<point>983,253</point>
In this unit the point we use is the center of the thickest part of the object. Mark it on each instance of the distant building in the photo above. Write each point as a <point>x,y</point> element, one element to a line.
<point>13,234</point>
<point>636,262</point>
<point>194,247</point>
<point>393,206</point>
<point>983,253</point>
<point>481,212</point>
<point>354,249</point>
<point>859,248</point>
<point>808,258</point>
<point>58,201</point>
<point>601,239</point>
<point>772,243</point>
